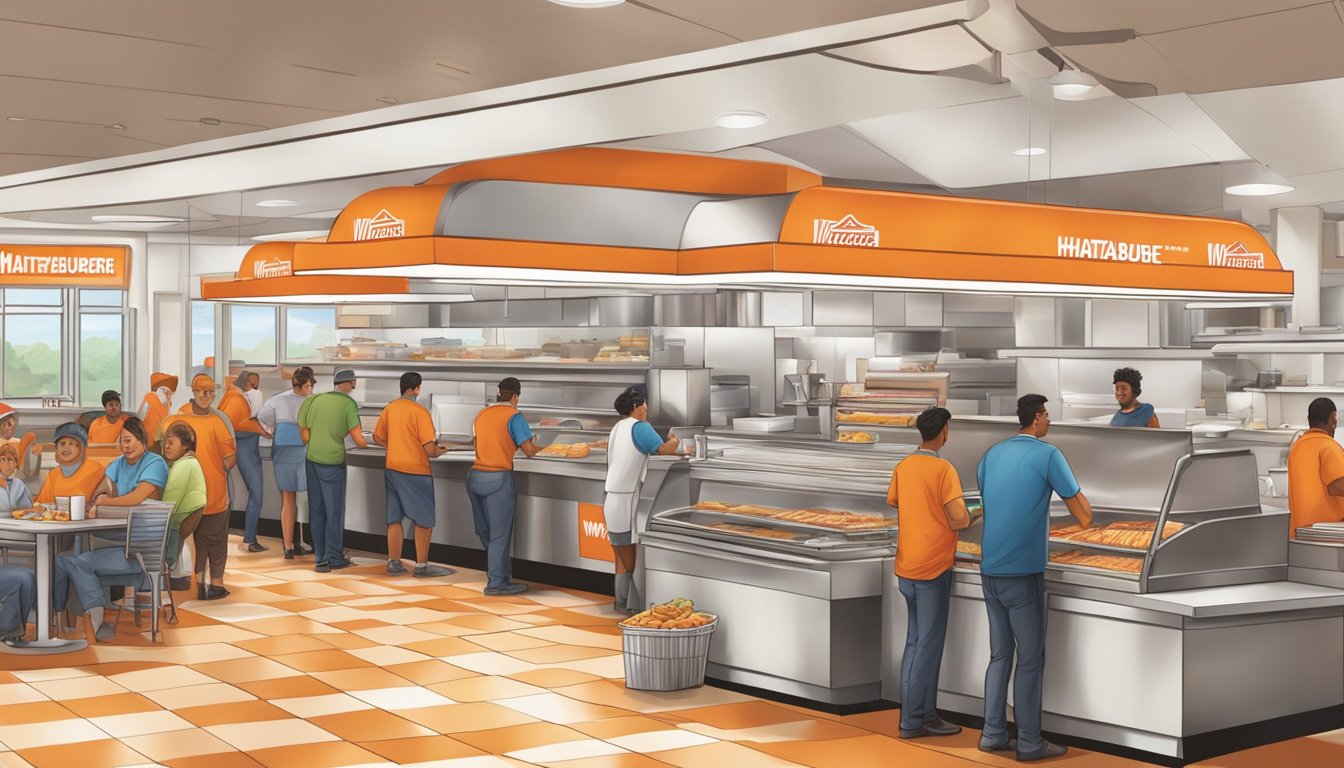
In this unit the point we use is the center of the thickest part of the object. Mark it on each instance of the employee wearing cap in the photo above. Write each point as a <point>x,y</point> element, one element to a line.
<point>631,443</point>
<point>217,453</point>
<point>157,404</point>
<point>247,432</point>
<point>324,422</point>
<point>500,432</point>
<point>74,473</point>
<point>106,429</point>
<point>29,454</point>
<point>405,429</point>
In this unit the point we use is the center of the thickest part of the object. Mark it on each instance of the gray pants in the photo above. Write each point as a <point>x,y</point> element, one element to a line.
<point>626,591</point>
<point>1016,606</point>
<point>493,502</point>
<point>82,571</point>
<point>18,590</point>
<point>326,509</point>
<point>926,607</point>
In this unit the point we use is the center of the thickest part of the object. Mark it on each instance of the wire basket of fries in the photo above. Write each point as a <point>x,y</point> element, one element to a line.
<point>667,646</point>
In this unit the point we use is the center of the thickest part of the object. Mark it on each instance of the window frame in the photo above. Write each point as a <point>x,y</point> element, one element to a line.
<point>70,311</point>
<point>284,328</point>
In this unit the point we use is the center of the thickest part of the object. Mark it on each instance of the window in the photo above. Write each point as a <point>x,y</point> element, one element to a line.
<point>32,353</point>
<point>33,297</point>
<point>252,334</point>
<point>94,298</point>
<point>202,332</point>
<point>307,330</point>
<point>100,354</point>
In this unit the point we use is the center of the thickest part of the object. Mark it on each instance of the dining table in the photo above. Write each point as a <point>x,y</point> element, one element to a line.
<point>45,535</point>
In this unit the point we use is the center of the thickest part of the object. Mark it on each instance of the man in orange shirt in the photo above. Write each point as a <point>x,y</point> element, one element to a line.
<point>106,429</point>
<point>247,434</point>
<point>74,474</point>
<point>1316,470</point>
<point>154,408</point>
<point>501,431</point>
<point>217,454</point>
<point>926,492</point>
<point>406,431</point>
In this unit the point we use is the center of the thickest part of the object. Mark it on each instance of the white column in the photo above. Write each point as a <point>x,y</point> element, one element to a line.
<point>1297,240</point>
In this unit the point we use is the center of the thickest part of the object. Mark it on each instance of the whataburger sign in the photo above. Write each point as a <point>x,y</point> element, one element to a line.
<point>99,266</point>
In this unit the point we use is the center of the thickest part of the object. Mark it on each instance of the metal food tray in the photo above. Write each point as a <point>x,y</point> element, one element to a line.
<point>884,533</point>
<point>833,541</point>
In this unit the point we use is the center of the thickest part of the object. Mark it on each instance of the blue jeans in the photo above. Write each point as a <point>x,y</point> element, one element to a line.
<point>249,466</point>
<point>82,571</point>
<point>18,591</point>
<point>326,510</point>
<point>493,500</point>
<point>926,607</point>
<point>1016,606</point>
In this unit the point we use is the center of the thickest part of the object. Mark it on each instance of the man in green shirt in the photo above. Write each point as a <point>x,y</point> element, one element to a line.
<point>324,422</point>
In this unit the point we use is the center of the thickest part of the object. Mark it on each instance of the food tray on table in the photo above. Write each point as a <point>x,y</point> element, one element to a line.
<point>41,514</point>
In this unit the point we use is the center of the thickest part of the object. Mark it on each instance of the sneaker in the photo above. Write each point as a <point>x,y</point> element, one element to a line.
<point>510,589</point>
<point>1046,752</point>
<point>336,565</point>
<point>430,570</point>
<point>200,591</point>
<point>322,567</point>
<point>937,727</point>
<point>255,547</point>
<point>104,633</point>
<point>1007,746</point>
<point>179,583</point>
<point>397,568</point>
<point>215,593</point>
<point>15,642</point>
<point>301,550</point>
<point>289,554</point>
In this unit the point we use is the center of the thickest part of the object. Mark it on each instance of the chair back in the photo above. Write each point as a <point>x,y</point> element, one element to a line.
<point>147,534</point>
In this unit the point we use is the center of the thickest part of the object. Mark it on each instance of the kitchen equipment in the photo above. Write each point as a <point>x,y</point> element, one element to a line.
<point>729,398</point>
<point>1269,378</point>
<point>671,355</point>
<point>701,446</point>
<point>1279,477</point>
<point>764,424</point>
<point>806,386</point>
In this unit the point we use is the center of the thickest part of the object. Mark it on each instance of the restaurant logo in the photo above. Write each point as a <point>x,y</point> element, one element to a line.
<point>845,231</point>
<point>1236,255</point>
<point>593,541</point>
<point>22,265</point>
<point>1100,249</point>
<point>277,268</point>
<point>381,226</point>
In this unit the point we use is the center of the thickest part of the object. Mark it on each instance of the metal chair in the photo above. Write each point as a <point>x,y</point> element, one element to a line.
<point>146,542</point>
<point>23,547</point>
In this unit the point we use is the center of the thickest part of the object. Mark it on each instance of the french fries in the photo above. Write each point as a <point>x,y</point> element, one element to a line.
<point>680,613</point>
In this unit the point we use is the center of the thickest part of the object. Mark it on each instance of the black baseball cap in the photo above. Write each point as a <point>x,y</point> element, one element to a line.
<point>111,395</point>
<point>510,385</point>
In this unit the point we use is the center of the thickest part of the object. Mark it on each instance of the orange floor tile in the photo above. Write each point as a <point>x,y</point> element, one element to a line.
<point>362,669</point>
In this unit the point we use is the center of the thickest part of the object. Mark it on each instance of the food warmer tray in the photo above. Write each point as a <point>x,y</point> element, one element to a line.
<point>700,522</point>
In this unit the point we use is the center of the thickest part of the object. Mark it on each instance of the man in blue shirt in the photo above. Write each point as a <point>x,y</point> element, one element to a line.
<point>1017,478</point>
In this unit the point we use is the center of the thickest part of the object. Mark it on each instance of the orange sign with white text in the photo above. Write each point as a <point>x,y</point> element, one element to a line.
<point>390,213</point>
<point>90,266</point>
<point>593,542</point>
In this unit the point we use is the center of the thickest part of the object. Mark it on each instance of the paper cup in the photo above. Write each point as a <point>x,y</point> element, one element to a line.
<point>76,507</point>
<point>62,503</point>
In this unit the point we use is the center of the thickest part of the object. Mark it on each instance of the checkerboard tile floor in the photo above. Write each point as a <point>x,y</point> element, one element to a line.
<point>357,668</point>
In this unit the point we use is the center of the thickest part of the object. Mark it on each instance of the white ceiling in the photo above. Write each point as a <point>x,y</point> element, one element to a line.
<point>929,94</point>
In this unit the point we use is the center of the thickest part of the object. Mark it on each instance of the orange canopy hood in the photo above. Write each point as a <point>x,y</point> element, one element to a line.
<point>267,270</point>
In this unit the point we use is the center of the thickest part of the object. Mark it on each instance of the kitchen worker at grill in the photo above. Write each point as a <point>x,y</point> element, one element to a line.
<point>405,429</point>
<point>501,431</point>
<point>324,422</point>
<point>1316,470</point>
<point>279,417</point>
<point>1017,477</point>
<point>106,429</point>
<point>157,404</point>
<point>217,453</point>
<point>247,434</point>
<point>1128,384</point>
<point>29,454</point>
<point>926,492</point>
<point>631,443</point>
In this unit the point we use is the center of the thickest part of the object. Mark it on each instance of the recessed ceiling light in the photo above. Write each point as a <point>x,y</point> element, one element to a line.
<point>1253,180</point>
<point>209,120</point>
<point>1072,84</point>
<point>17,119</point>
<point>588,3</point>
<point>388,99</point>
<point>1258,190</point>
<point>135,218</point>
<point>1029,151</point>
<point>277,203</point>
<point>330,213</point>
<point>303,234</point>
<point>743,118</point>
<point>115,126</point>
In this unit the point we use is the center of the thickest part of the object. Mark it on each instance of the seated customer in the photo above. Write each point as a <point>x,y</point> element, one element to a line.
<point>18,587</point>
<point>13,493</point>
<point>74,473</point>
<point>137,475</point>
<point>185,489</point>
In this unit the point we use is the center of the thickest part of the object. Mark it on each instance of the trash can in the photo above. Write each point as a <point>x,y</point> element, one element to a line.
<point>666,659</point>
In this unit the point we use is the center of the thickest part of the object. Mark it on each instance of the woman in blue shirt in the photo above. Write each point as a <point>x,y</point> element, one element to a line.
<point>1128,384</point>
<point>137,475</point>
